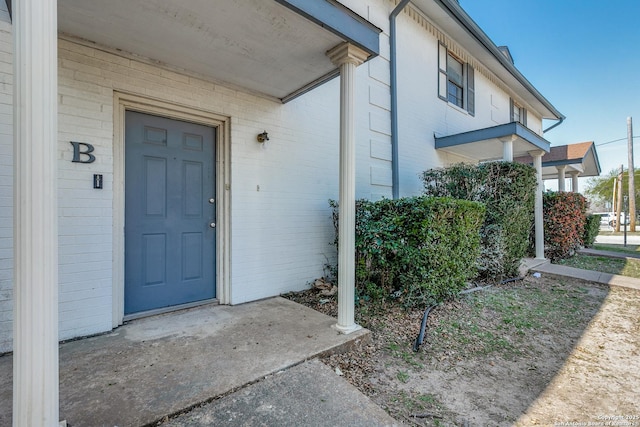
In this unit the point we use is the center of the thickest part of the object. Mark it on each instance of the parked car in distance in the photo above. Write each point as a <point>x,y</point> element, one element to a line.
<point>609,218</point>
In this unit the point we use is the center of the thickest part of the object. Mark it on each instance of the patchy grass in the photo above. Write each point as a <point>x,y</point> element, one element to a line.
<point>502,320</point>
<point>527,325</point>
<point>634,249</point>
<point>624,267</point>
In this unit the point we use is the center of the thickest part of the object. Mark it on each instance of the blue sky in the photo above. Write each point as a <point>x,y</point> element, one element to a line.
<point>583,56</point>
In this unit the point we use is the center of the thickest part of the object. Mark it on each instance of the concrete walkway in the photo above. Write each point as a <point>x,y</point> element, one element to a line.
<point>158,366</point>
<point>593,276</point>
<point>309,394</point>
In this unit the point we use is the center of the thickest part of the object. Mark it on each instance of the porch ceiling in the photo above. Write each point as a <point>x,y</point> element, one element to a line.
<point>487,144</point>
<point>271,47</point>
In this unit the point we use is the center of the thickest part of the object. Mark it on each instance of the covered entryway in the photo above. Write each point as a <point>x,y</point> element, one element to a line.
<point>169,212</point>
<point>277,50</point>
<point>504,142</point>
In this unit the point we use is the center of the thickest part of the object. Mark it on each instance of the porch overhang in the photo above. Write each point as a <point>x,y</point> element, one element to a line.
<point>580,159</point>
<point>487,143</point>
<point>273,48</point>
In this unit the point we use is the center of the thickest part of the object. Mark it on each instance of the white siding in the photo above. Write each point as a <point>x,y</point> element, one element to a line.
<point>422,114</point>
<point>373,108</point>
<point>6,182</point>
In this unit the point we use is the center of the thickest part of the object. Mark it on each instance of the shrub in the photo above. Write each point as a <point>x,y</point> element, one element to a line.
<point>564,223</point>
<point>591,230</point>
<point>421,250</point>
<point>508,191</point>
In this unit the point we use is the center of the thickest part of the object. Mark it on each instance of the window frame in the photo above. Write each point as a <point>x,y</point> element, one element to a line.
<point>522,112</point>
<point>456,97</point>
<point>466,101</point>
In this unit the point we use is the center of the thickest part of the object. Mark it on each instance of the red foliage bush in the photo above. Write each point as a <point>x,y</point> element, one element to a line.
<point>564,222</point>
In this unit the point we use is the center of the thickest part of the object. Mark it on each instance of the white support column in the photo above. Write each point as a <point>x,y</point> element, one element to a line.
<point>561,177</point>
<point>347,57</point>
<point>507,150</point>
<point>35,226</point>
<point>538,211</point>
<point>574,181</point>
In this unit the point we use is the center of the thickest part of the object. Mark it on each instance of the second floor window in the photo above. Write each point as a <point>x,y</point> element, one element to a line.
<point>455,80</point>
<point>518,113</point>
<point>455,84</point>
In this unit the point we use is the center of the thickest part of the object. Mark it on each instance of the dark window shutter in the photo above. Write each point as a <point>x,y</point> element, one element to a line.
<point>471,91</point>
<point>524,116</point>
<point>442,71</point>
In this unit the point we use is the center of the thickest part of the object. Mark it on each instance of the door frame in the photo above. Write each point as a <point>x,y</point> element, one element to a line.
<point>221,124</point>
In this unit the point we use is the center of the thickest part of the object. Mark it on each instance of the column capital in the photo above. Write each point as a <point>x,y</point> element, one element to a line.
<point>347,53</point>
<point>537,153</point>
<point>561,168</point>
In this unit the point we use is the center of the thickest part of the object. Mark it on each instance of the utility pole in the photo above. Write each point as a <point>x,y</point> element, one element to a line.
<point>619,201</point>
<point>632,180</point>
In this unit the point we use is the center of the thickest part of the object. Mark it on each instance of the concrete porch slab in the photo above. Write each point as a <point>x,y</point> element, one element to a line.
<point>161,365</point>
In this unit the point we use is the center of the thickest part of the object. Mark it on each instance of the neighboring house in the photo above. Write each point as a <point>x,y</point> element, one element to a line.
<point>166,198</point>
<point>575,161</point>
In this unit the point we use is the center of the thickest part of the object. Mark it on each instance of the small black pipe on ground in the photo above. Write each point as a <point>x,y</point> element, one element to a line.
<point>423,326</point>
<point>425,316</point>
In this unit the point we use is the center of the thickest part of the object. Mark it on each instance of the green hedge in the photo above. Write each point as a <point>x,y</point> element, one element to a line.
<point>508,191</point>
<point>420,250</point>
<point>564,223</point>
<point>591,230</point>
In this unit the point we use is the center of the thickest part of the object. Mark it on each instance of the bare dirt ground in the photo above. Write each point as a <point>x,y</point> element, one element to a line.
<point>538,352</point>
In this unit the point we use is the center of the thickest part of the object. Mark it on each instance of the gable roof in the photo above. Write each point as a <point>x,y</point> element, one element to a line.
<point>568,153</point>
<point>580,157</point>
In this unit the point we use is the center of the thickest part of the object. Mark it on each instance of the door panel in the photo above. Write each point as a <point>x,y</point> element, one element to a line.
<point>169,181</point>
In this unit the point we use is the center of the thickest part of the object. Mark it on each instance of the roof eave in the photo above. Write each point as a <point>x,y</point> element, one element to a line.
<point>453,8</point>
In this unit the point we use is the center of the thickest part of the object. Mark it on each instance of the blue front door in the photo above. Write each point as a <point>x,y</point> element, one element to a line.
<point>169,212</point>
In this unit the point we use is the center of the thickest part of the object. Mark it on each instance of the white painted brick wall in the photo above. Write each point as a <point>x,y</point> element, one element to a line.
<point>280,233</point>
<point>6,181</point>
<point>281,222</point>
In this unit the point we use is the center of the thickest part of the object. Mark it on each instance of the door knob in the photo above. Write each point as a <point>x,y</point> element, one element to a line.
<point>212,225</point>
<point>212,200</point>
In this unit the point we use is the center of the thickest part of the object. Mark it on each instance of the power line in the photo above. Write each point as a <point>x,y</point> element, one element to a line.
<point>616,140</point>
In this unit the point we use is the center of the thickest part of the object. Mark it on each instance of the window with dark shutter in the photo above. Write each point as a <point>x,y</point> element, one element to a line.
<point>455,80</point>
<point>517,113</point>
<point>471,91</point>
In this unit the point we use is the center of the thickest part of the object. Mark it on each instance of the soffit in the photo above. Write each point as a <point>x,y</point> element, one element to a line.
<point>275,48</point>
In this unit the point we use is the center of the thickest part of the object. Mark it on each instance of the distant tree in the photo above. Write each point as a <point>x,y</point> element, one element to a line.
<point>600,189</point>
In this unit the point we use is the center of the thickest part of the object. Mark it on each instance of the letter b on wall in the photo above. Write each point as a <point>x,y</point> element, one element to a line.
<point>82,152</point>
